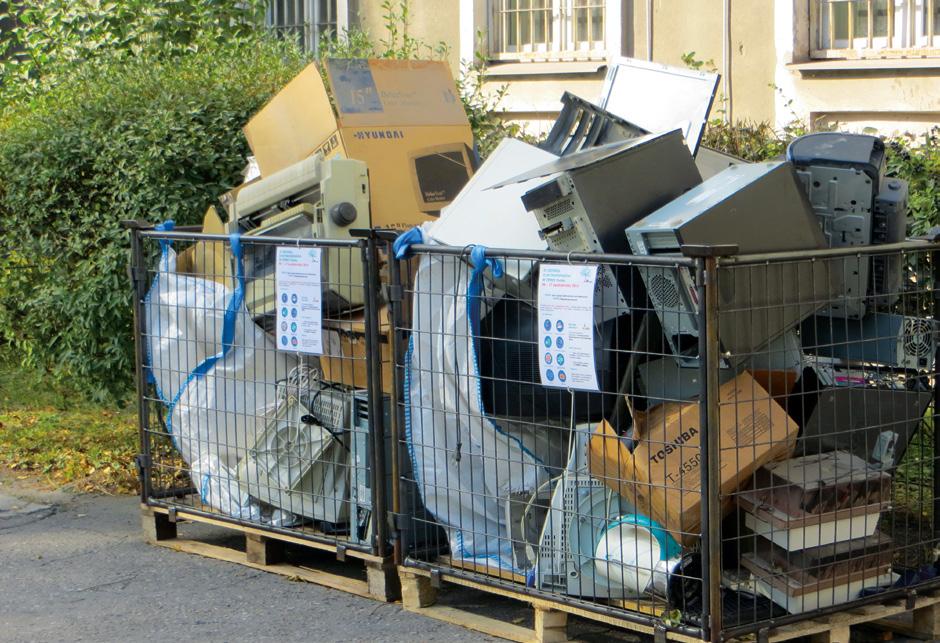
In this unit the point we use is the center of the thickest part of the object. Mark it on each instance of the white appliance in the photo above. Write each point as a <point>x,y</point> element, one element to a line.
<point>299,463</point>
<point>497,218</point>
<point>660,98</point>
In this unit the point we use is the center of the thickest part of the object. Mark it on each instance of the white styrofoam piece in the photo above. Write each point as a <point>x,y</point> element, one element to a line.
<point>659,98</point>
<point>496,218</point>
<point>814,534</point>
<point>823,598</point>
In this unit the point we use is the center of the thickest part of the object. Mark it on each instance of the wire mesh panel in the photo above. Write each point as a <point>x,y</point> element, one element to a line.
<point>547,446</point>
<point>841,379</point>
<point>261,397</point>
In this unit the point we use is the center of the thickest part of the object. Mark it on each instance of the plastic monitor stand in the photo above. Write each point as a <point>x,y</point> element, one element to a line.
<point>659,98</point>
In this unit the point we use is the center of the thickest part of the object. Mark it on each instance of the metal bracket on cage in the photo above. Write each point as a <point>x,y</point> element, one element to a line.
<point>393,293</point>
<point>340,552</point>
<point>138,275</point>
<point>659,634</point>
<point>398,521</point>
<point>711,250</point>
<point>910,600</point>
<point>763,635</point>
<point>435,578</point>
<point>142,461</point>
<point>171,514</point>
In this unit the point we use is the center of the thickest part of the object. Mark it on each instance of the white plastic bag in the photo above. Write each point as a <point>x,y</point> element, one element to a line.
<point>466,465</point>
<point>217,372</point>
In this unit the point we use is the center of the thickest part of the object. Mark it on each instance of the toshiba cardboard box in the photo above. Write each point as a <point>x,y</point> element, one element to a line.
<point>404,118</point>
<point>662,476</point>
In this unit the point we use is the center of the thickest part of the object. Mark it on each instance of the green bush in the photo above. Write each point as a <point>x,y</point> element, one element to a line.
<point>149,138</point>
<point>48,37</point>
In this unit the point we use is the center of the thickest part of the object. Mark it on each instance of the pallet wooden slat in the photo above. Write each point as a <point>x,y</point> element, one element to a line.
<point>296,540</point>
<point>217,552</point>
<point>265,551</point>
<point>549,614</point>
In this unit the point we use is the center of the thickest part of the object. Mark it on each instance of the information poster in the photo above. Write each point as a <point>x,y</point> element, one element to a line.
<point>299,300</point>
<point>566,326</point>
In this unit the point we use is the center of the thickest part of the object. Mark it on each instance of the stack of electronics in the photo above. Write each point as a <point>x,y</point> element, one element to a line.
<point>816,520</point>
<point>311,460</point>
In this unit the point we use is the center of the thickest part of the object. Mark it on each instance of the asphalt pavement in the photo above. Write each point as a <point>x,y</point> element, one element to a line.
<point>75,568</point>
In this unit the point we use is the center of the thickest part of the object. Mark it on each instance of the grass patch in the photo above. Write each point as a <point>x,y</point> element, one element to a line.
<point>49,431</point>
<point>913,480</point>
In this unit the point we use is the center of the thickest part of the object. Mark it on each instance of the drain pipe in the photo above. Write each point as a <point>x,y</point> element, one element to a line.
<point>726,60</point>
<point>649,30</point>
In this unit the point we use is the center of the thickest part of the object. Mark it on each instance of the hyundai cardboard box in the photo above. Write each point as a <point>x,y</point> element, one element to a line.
<point>662,476</point>
<point>403,118</point>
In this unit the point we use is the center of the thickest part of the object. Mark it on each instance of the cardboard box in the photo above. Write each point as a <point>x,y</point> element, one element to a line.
<point>209,259</point>
<point>403,118</point>
<point>662,476</point>
<point>344,361</point>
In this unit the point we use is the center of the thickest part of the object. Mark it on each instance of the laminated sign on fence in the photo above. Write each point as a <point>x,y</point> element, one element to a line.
<point>300,301</point>
<point>566,312</point>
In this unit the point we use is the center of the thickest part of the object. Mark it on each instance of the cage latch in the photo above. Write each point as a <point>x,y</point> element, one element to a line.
<point>393,293</point>
<point>142,462</point>
<point>659,634</point>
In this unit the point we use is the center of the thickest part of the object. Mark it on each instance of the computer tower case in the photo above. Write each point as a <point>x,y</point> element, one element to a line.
<point>844,177</point>
<point>891,340</point>
<point>595,193</point>
<point>362,513</point>
<point>759,207</point>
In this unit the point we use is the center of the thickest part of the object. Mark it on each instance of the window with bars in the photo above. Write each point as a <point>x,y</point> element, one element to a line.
<point>543,29</point>
<point>303,20</point>
<point>876,28</point>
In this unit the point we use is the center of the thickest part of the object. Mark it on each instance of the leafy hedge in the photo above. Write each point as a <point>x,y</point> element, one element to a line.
<point>147,138</point>
<point>45,38</point>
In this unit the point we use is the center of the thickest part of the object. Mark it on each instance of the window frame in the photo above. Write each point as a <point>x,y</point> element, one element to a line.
<point>853,47</point>
<point>306,32</point>
<point>562,28</point>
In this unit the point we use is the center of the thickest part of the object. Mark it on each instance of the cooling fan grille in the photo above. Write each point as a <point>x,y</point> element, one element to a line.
<point>663,289</point>
<point>918,337</point>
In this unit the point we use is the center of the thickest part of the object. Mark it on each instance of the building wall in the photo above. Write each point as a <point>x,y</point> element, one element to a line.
<point>772,77</point>
<point>430,21</point>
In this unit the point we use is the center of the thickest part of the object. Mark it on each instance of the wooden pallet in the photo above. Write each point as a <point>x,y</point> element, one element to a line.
<point>264,550</point>
<point>917,617</point>
<point>419,595</point>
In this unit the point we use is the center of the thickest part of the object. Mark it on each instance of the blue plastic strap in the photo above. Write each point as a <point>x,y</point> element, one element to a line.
<point>480,263</point>
<point>166,226</point>
<point>402,245</point>
<point>231,311</point>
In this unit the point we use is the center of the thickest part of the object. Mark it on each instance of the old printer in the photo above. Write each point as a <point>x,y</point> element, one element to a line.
<point>313,199</point>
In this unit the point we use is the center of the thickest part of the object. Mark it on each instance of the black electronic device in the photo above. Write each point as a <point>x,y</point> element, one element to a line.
<point>856,205</point>
<point>508,352</point>
<point>582,125</point>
